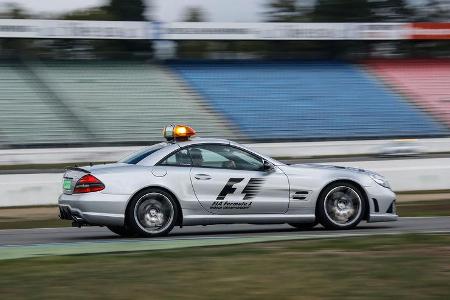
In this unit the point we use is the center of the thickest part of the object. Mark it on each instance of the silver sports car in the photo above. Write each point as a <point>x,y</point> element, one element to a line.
<point>201,181</point>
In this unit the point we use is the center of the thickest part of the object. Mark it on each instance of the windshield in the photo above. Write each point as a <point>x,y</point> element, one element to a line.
<point>136,157</point>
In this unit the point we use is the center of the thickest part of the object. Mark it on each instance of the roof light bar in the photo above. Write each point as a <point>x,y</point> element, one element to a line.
<point>178,132</point>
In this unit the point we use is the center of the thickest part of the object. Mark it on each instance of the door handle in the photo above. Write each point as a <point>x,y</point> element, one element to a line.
<point>202,177</point>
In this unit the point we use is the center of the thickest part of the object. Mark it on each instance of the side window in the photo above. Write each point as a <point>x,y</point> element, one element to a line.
<point>180,158</point>
<point>224,157</point>
<point>246,160</point>
<point>207,157</point>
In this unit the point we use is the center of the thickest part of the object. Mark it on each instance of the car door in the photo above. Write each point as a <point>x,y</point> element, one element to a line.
<point>228,180</point>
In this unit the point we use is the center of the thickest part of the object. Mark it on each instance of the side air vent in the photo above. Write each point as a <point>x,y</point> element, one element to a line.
<point>375,205</point>
<point>300,195</point>
<point>392,209</point>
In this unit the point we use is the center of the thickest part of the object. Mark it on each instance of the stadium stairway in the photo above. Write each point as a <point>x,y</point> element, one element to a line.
<point>276,100</point>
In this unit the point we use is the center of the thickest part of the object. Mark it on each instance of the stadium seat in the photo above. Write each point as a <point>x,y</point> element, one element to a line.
<point>424,82</point>
<point>28,114</point>
<point>128,101</point>
<point>305,99</point>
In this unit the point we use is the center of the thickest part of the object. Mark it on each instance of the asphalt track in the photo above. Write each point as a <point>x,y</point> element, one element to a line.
<point>102,234</point>
<point>25,243</point>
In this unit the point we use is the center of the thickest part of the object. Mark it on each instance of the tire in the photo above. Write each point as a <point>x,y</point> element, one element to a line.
<point>152,212</point>
<point>304,226</point>
<point>123,231</point>
<point>341,205</point>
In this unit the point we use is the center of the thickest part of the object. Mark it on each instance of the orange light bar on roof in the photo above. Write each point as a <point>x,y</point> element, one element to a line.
<point>178,132</point>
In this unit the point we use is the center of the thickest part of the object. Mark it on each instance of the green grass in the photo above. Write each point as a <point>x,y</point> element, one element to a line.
<point>424,208</point>
<point>31,217</point>
<point>26,224</point>
<point>385,267</point>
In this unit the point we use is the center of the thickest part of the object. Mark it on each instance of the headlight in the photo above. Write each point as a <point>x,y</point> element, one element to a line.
<point>380,180</point>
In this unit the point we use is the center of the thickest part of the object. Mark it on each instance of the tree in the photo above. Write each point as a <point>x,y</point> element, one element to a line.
<point>283,11</point>
<point>432,11</point>
<point>342,11</point>
<point>96,13</point>
<point>196,49</point>
<point>15,47</point>
<point>194,14</point>
<point>435,11</point>
<point>115,10</point>
<point>129,10</point>
<point>14,11</point>
<point>96,48</point>
<point>392,10</point>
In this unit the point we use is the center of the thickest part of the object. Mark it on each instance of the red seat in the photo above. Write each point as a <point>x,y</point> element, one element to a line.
<point>425,82</point>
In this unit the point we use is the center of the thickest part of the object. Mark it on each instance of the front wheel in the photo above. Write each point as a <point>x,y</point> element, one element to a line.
<point>153,212</point>
<point>340,206</point>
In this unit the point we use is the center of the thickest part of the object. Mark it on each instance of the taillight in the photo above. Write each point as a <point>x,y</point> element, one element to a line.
<point>88,184</point>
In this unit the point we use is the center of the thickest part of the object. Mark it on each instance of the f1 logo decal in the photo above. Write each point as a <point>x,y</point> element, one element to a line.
<point>251,189</point>
<point>229,188</point>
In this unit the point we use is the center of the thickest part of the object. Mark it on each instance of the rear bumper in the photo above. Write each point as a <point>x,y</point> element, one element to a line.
<point>67,213</point>
<point>94,208</point>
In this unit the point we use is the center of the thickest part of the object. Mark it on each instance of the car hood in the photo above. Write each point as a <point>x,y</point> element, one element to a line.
<point>331,167</point>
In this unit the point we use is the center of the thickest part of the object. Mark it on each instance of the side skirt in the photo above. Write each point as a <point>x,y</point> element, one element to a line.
<point>382,218</point>
<point>190,220</point>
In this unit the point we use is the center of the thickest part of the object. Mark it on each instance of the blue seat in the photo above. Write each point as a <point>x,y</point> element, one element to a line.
<point>303,100</point>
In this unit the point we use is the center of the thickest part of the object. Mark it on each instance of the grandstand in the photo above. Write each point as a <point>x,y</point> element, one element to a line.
<point>113,102</point>
<point>129,102</point>
<point>317,99</point>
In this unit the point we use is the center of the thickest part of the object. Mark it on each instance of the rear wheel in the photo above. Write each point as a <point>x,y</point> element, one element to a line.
<point>153,212</point>
<point>340,206</point>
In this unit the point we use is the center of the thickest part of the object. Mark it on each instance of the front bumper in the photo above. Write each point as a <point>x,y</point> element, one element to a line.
<point>382,204</point>
<point>93,208</point>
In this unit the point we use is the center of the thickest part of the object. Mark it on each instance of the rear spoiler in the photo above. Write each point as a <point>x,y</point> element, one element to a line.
<point>77,169</point>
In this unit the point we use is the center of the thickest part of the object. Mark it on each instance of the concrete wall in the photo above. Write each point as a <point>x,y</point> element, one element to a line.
<point>30,189</point>
<point>303,149</point>
<point>410,174</point>
<point>345,148</point>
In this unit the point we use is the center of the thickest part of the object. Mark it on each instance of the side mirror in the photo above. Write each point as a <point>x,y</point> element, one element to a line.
<point>267,166</point>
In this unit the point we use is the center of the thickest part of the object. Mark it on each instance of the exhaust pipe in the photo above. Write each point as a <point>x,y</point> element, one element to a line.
<point>78,222</point>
